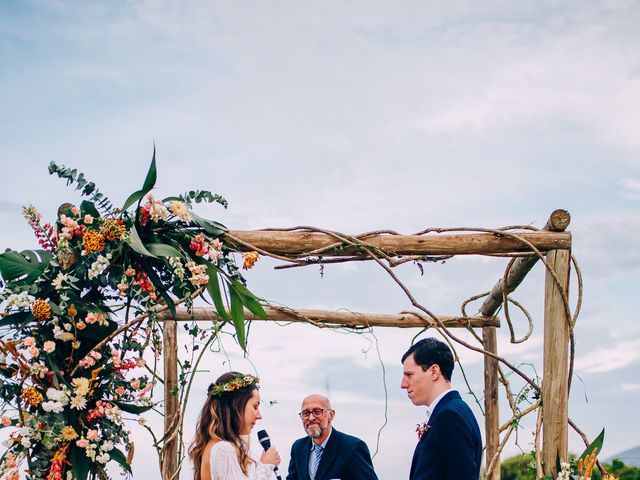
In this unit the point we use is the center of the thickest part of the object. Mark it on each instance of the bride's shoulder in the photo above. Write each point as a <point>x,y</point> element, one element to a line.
<point>222,446</point>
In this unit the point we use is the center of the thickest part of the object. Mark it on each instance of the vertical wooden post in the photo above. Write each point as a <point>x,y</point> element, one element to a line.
<point>169,463</point>
<point>491,412</point>
<point>555,390</point>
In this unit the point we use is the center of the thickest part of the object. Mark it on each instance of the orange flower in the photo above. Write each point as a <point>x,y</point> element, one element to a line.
<point>31,396</point>
<point>92,241</point>
<point>72,311</point>
<point>41,310</point>
<point>249,259</point>
<point>113,229</point>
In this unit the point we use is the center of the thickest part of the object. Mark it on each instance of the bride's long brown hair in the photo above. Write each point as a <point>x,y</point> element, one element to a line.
<point>222,418</point>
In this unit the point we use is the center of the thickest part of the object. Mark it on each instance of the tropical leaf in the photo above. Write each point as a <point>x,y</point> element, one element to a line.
<point>212,228</point>
<point>135,242</point>
<point>121,458</point>
<point>23,267</point>
<point>17,318</point>
<point>127,407</point>
<point>149,183</point>
<point>249,300</point>
<point>213,287</point>
<point>237,314</point>
<point>80,463</point>
<point>162,250</point>
<point>597,443</point>
<point>90,208</point>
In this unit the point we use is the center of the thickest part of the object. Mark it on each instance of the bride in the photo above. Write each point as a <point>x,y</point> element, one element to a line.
<point>220,450</point>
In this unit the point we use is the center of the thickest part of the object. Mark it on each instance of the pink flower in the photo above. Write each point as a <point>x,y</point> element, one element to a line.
<point>49,346</point>
<point>88,219</point>
<point>96,355</point>
<point>140,362</point>
<point>130,272</point>
<point>82,443</point>
<point>75,210</point>
<point>135,384</point>
<point>81,325</point>
<point>120,391</point>
<point>29,342</point>
<point>6,421</point>
<point>34,351</point>
<point>92,434</point>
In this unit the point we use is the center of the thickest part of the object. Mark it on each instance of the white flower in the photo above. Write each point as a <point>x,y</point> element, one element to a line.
<point>19,300</point>
<point>58,395</point>
<point>52,406</point>
<point>57,282</point>
<point>104,458</point>
<point>99,266</point>
<point>78,402</point>
<point>3,358</point>
<point>26,442</point>
<point>107,446</point>
<point>60,334</point>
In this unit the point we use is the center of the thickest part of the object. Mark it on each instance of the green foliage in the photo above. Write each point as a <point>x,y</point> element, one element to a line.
<point>87,188</point>
<point>519,467</point>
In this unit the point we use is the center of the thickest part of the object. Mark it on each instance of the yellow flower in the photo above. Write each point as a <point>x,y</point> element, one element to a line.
<point>92,241</point>
<point>68,433</point>
<point>32,396</point>
<point>249,259</point>
<point>41,310</point>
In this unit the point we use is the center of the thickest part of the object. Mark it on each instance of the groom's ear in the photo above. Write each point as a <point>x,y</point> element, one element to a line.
<point>435,371</point>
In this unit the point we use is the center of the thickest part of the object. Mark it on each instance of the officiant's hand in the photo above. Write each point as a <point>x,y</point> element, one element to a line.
<point>271,456</point>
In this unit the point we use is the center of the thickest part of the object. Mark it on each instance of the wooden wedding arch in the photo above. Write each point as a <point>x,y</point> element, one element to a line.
<point>552,245</point>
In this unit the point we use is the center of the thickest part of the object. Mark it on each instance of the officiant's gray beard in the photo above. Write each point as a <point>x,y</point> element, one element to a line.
<point>317,432</point>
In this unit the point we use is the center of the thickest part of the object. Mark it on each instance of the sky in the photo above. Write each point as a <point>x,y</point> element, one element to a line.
<point>354,116</point>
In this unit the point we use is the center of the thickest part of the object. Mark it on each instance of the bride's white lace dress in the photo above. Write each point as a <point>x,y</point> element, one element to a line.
<point>225,465</point>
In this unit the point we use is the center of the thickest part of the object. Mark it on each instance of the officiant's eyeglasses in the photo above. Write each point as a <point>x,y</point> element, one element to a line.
<point>316,412</point>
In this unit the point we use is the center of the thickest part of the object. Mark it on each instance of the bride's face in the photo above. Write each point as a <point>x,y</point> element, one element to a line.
<point>251,413</point>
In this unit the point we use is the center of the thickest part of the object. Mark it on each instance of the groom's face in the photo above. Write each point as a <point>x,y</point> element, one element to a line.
<point>417,382</point>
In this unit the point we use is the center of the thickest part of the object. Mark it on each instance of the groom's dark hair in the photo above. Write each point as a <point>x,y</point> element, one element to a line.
<point>430,351</point>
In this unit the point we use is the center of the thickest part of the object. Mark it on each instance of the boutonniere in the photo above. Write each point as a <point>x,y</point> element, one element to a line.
<point>422,428</point>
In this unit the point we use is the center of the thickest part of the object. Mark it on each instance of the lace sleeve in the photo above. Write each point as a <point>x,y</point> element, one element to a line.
<point>225,466</point>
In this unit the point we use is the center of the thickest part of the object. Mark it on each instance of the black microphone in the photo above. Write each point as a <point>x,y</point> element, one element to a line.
<point>265,441</point>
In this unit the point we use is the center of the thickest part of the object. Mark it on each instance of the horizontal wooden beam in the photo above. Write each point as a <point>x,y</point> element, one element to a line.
<point>339,318</point>
<point>301,243</point>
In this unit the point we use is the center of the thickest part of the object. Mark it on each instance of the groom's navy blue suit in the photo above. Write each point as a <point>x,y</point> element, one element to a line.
<point>344,457</point>
<point>451,448</point>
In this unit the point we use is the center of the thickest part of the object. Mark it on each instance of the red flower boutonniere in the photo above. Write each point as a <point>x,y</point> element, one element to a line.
<point>422,428</point>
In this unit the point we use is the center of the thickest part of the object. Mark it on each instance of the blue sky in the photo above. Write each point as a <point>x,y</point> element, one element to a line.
<point>354,116</point>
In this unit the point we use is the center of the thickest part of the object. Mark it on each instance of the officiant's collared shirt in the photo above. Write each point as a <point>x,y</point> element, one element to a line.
<point>323,445</point>
<point>432,407</point>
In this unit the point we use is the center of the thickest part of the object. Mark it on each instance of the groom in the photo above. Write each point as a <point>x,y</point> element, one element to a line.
<point>450,446</point>
<point>325,453</point>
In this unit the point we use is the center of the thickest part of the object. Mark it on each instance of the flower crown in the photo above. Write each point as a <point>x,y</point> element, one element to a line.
<point>236,383</point>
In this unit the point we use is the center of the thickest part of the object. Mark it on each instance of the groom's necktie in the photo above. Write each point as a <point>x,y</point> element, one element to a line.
<point>316,455</point>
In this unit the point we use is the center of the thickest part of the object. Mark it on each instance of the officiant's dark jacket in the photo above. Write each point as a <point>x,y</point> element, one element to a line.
<point>451,448</point>
<point>345,457</point>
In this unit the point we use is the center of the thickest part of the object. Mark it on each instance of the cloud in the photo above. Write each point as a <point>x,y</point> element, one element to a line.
<point>609,358</point>
<point>631,188</point>
<point>630,387</point>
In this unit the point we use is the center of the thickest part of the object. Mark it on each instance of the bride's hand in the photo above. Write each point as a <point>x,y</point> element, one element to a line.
<point>271,456</point>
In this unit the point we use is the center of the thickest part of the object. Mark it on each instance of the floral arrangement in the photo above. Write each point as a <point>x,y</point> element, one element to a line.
<point>236,383</point>
<point>422,428</point>
<point>78,315</point>
<point>582,467</point>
